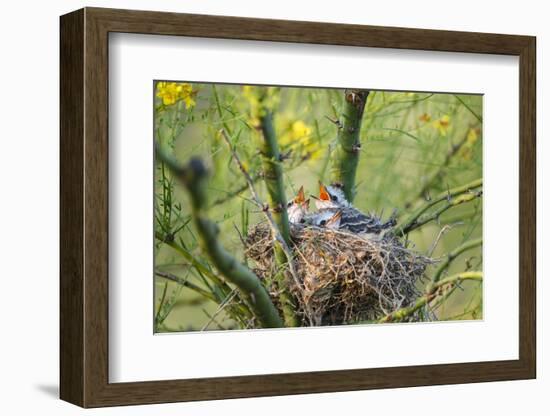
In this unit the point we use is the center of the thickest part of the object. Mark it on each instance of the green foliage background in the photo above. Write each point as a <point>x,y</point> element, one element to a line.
<point>414,145</point>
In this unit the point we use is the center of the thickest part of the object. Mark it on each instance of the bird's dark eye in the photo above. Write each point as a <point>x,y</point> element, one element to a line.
<point>302,221</point>
<point>289,203</point>
<point>323,222</point>
<point>333,198</point>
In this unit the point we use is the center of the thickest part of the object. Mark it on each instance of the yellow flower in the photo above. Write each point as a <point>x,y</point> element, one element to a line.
<point>293,133</point>
<point>172,92</point>
<point>300,129</point>
<point>442,124</point>
<point>295,137</point>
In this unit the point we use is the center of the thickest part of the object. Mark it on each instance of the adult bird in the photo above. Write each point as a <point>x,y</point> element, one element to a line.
<point>332,201</point>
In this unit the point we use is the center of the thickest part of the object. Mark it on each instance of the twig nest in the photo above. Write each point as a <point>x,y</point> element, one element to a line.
<point>342,277</point>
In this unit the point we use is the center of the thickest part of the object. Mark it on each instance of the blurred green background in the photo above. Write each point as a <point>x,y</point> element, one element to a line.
<point>414,146</point>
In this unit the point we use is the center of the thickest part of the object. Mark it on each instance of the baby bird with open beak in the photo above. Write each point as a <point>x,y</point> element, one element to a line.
<point>297,208</point>
<point>331,197</point>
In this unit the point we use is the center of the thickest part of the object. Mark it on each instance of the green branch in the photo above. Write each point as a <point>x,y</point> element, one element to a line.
<point>453,255</point>
<point>346,153</point>
<point>453,197</point>
<point>433,292</point>
<point>194,176</point>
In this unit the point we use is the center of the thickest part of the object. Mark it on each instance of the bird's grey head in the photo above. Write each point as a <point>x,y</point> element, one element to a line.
<point>327,218</point>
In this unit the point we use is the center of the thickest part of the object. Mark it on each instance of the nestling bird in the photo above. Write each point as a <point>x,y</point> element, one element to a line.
<point>332,201</point>
<point>297,208</point>
<point>331,197</point>
<point>327,218</point>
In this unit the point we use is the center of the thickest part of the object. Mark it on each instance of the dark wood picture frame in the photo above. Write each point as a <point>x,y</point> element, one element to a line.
<point>84,207</point>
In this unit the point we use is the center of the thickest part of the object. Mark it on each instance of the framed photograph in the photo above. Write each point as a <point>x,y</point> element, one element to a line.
<point>260,207</point>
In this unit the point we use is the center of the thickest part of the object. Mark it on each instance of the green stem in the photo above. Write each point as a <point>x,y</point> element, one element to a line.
<point>452,196</point>
<point>430,295</point>
<point>194,177</point>
<point>346,154</point>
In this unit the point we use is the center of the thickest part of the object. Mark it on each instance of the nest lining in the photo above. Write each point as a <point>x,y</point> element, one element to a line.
<point>342,277</point>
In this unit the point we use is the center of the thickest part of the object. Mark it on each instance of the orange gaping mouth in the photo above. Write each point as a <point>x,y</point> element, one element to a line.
<point>300,198</point>
<point>323,193</point>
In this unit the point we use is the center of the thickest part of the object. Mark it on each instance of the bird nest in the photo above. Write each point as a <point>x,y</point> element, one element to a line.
<point>340,277</point>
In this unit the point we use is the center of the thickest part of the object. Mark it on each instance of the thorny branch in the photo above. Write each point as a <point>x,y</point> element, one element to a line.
<point>348,148</point>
